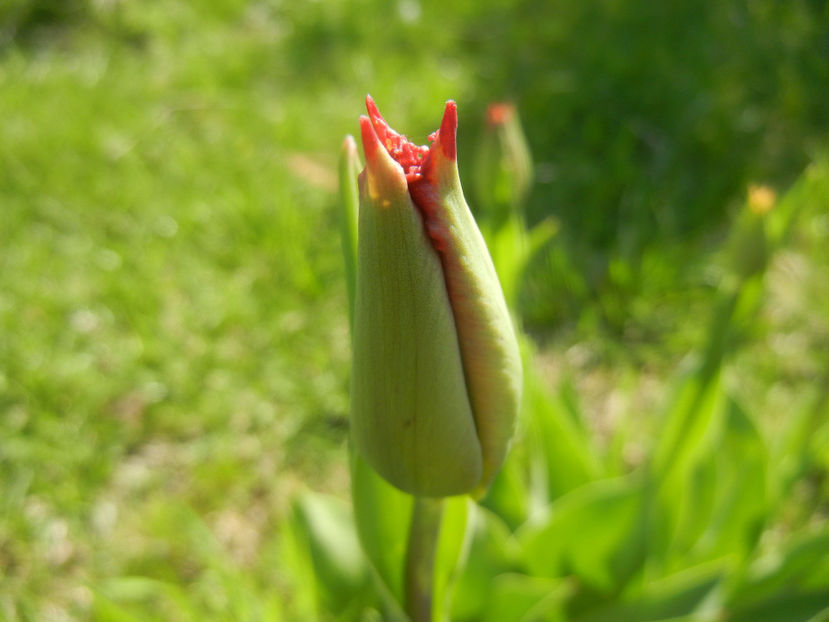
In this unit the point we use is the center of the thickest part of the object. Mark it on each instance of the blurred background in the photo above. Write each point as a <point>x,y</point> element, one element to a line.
<point>174,344</point>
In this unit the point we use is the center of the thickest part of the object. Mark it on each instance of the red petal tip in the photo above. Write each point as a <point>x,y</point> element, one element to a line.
<point>370,141</point>
<point>449,130</point>
<point>499,113</point>
<point>373,111</point>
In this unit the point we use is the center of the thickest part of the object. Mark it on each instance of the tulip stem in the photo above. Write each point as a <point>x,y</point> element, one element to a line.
<point>420,557</point>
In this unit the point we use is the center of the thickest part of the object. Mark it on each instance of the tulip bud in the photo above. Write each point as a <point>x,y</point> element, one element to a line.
<point>436,376</point>
<point>749,246</point>
<point>503,166</point>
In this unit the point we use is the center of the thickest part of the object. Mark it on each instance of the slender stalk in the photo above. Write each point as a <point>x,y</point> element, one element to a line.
<point>420,557</point>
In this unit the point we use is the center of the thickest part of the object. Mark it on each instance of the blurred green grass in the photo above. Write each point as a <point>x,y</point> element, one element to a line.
<point>173,333</point>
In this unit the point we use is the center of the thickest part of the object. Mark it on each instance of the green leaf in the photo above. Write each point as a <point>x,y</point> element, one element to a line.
<point>693,424</point>
<point>383,518</point>
<point>512,247</point>
<point>803,568</point>
<point>678,595</point>
<point>798,447</point>
<point>522,598</point>
<point>382,515</point>
<point>295,556</point>
<point>719,503</point>
<point>736,475</point>
<point>339,569</point>
<point>804,607</point>
<point>512,493</point>
<point>569,457</point>
<point>595,532</point>
<point>492,551</point>
<point>690,424</point>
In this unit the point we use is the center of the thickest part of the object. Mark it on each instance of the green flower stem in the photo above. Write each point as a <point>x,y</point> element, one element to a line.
<point>420,557</point>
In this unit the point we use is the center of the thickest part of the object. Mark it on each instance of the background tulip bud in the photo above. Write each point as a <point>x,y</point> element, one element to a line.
<point>503,164</point>
<point>749,245</point>
<point>436,378</point>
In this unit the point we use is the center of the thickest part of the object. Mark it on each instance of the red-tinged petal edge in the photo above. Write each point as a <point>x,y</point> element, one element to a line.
<point>418,161</point>
<point>370,142</point>
<point>448,130</point>
<point>407,154</point>
<point>415,158</point>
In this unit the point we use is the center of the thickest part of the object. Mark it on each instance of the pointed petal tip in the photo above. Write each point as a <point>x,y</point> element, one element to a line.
<point>370,141</point>
<point>374,111</point>
<point>349,144</point>
<point>449,130</point>
<point>385,175</point>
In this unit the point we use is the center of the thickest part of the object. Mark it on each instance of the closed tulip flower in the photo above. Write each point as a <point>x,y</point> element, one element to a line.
<point>436,376</point>
<point>503,164</point>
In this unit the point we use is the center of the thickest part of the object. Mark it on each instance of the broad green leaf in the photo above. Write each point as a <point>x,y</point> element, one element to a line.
<point>523,598</point>
<point>339,569</point>
<point>791,449</point>
<point>736,475</point>
<point>693,424</point>
<point>295,557</point>
<point>512,247</point>
<point>720,504</point>
<point>596,532</point>
<point>382,515</point>
<point>492,551</point>
<point>383,518</point>
<point>572,459</point>
<point>803,568</point>
<point>675,596</point>
<point>561,436</point>
<point>690,425</point>
<point>511,494</point>
<point>802,607</point>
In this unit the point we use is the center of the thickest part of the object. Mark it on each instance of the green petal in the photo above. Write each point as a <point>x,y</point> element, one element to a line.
<point>489,349</point>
